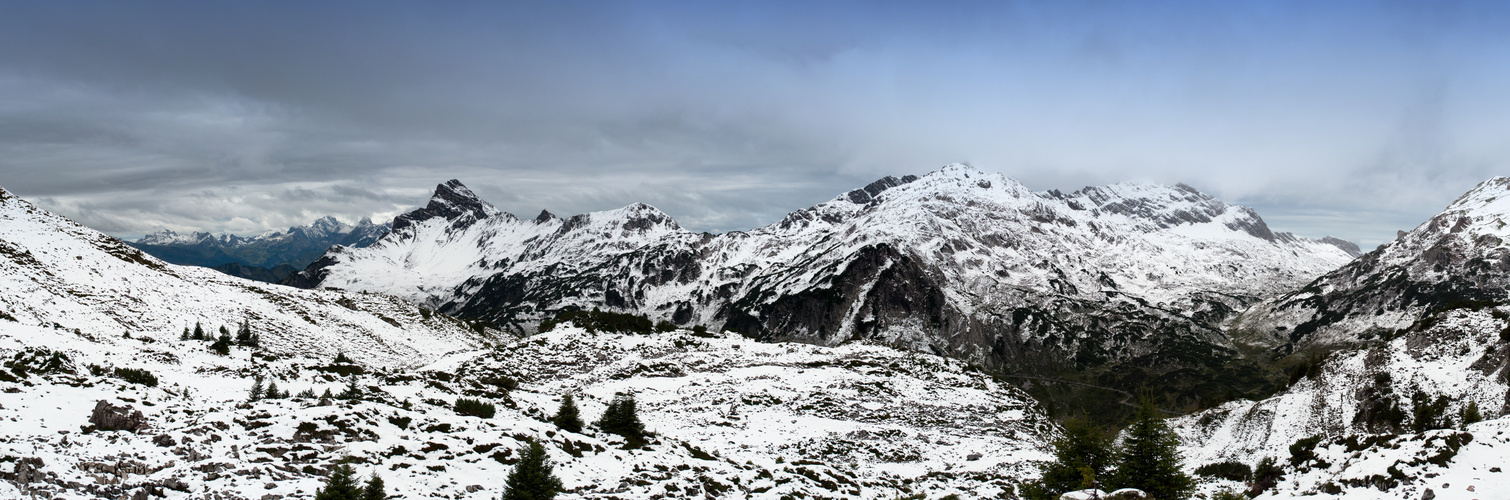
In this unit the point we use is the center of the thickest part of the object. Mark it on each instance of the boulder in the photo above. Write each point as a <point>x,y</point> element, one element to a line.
<point>108,417</point>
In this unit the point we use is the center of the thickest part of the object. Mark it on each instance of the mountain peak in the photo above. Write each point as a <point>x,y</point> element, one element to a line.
<point>452,201</point>
<point>1491,197</point>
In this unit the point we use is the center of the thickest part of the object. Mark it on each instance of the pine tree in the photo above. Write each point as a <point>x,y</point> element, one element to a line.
<point>222,345</point>
<point>1150,458</point>
<point>272,390</point>
<point>621,418</point>
<point>256,392</point>
<point>374,488</point>
<point>532,479</point>
<point>244,334</point>
<point>198,331</point>
<point>567,417</point>
<point>185,335</point>
<point>1081,459</point>
<point>1471,414</point>
<point>342,485</point>
<point>353,391</point>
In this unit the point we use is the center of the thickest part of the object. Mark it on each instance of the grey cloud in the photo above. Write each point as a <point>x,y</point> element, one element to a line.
<point>245,117</point>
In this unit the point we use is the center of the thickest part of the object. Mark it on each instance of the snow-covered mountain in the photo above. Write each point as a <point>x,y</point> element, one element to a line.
<point>55,273</point>
<point>88,324</point>
<point>241,256</point>
<point>1459,256</point>
<point>957,262</point>
<point>1388,354</point>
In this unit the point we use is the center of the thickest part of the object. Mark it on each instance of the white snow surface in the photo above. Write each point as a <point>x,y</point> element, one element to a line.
<point>58,274</point>
<point>988,236</point>
<point>731,418</point>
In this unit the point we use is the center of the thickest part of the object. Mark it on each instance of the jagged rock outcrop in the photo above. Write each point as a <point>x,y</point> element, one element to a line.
<point>108,417</point>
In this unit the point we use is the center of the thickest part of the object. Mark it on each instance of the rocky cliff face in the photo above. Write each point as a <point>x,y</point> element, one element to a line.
<point>1127,283</point>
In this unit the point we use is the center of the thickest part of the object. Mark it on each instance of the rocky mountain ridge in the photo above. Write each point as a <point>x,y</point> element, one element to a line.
<point>957,262</point>
<point>260,256</point>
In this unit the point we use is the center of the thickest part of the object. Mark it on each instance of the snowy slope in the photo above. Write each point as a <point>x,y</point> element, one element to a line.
<point>732,419</point>
<point>55,273</point>
<point>957,262</point>
<point>1462,356</point>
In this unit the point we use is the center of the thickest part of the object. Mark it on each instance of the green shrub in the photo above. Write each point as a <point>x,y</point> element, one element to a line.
<point>474,408</point>
<point>136,376</point>
<point>1231,471</point>
<point>1265,476</point>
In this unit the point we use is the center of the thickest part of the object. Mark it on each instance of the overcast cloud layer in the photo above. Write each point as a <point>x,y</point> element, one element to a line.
<point>1341,118</point>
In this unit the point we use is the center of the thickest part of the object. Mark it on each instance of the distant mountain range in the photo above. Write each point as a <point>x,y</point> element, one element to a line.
<point>269,257</point>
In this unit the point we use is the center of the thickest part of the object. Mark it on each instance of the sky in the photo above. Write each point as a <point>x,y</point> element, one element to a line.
<point>1352,119</point>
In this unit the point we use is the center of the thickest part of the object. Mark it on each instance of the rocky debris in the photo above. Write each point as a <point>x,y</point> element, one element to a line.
<point>27,470</point>
<point>164,440</point>
<point>108,417</point>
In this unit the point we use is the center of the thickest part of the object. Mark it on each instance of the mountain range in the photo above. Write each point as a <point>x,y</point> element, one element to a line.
<point>917,336</point>
<point>268,257</point>
<point>1124,286</point>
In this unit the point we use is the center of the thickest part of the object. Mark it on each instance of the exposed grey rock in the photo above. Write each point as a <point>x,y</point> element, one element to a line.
<point>108,417</point>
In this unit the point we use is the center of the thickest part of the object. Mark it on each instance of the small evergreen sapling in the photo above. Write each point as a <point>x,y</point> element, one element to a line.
<point>353,391</point>
<point>198,331</point>
<point>341,485</point>
<point>532,478</point>
<point>272,391</point>
<point>622,418</point>
<point>567,417</point>
<point>1471,414</point>
<point>222,345</point>
<point>1150,458</point>
<point>1081,458</point>
<point>257,391</point>
<point>374,488</point>
<point>244,336</point>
